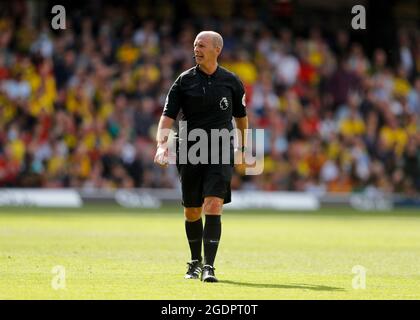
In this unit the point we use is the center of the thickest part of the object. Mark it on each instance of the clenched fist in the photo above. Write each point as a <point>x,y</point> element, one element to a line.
<point>161,157</point>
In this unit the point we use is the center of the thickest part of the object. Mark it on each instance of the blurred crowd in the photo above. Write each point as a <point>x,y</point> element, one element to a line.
<point>79,107</point>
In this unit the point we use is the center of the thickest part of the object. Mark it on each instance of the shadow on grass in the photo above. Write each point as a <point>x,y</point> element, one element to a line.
<point>282,286</point>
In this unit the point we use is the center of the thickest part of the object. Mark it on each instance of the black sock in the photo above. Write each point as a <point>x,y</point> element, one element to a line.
<point>211,237</point>
<point>194,232</point>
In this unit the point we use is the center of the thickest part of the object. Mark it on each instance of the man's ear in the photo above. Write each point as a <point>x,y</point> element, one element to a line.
<point>218,50</point>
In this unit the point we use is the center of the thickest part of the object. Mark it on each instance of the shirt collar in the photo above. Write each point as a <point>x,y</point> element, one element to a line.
<point>197,68</point>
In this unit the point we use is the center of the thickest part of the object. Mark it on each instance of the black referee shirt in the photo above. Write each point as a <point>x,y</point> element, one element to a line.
<point>206,101</point>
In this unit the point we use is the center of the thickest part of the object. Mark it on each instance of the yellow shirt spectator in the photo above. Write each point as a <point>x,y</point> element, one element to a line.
<point>315,58</point>
<point>352,126</point>
<point>401,87</point>
<point>127,53</point>
<point>7,112</point>
<point>92,140</point>
<point>394,137</point>
<point>269,164</point>
<point>89,141</point>
<point>333,150</point>
<point>85,167</point>
<point>79,104</point>
<point>44,100</point>
<point>149,72</point>
<point>70,140</point>
<point>245,70</point>
<point>55,165</point>
<point>105,110</point>
<point>303,168</point>
<point>17,148</point>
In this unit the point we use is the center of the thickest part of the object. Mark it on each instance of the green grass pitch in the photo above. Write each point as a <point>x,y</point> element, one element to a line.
<point>113,253</point>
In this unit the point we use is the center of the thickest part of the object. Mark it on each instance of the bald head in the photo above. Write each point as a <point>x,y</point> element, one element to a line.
<point>207,48</point>
<point>215,38</point>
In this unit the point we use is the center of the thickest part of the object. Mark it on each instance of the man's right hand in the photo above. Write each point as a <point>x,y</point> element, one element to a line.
<point>161,157</point>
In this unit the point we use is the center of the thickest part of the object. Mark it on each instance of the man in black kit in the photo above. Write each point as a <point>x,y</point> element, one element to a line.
<point>207,96</point>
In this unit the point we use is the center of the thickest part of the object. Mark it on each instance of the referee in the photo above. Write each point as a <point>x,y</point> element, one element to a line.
<point>207,96</point>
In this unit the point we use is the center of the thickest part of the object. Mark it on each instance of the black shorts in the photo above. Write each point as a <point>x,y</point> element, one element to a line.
<point>204,180</point>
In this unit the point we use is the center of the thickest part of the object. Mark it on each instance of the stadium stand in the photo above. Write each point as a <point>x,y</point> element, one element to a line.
<point>79,107</point>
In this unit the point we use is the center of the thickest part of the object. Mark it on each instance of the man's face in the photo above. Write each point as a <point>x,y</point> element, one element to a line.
<point>204,50</point>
